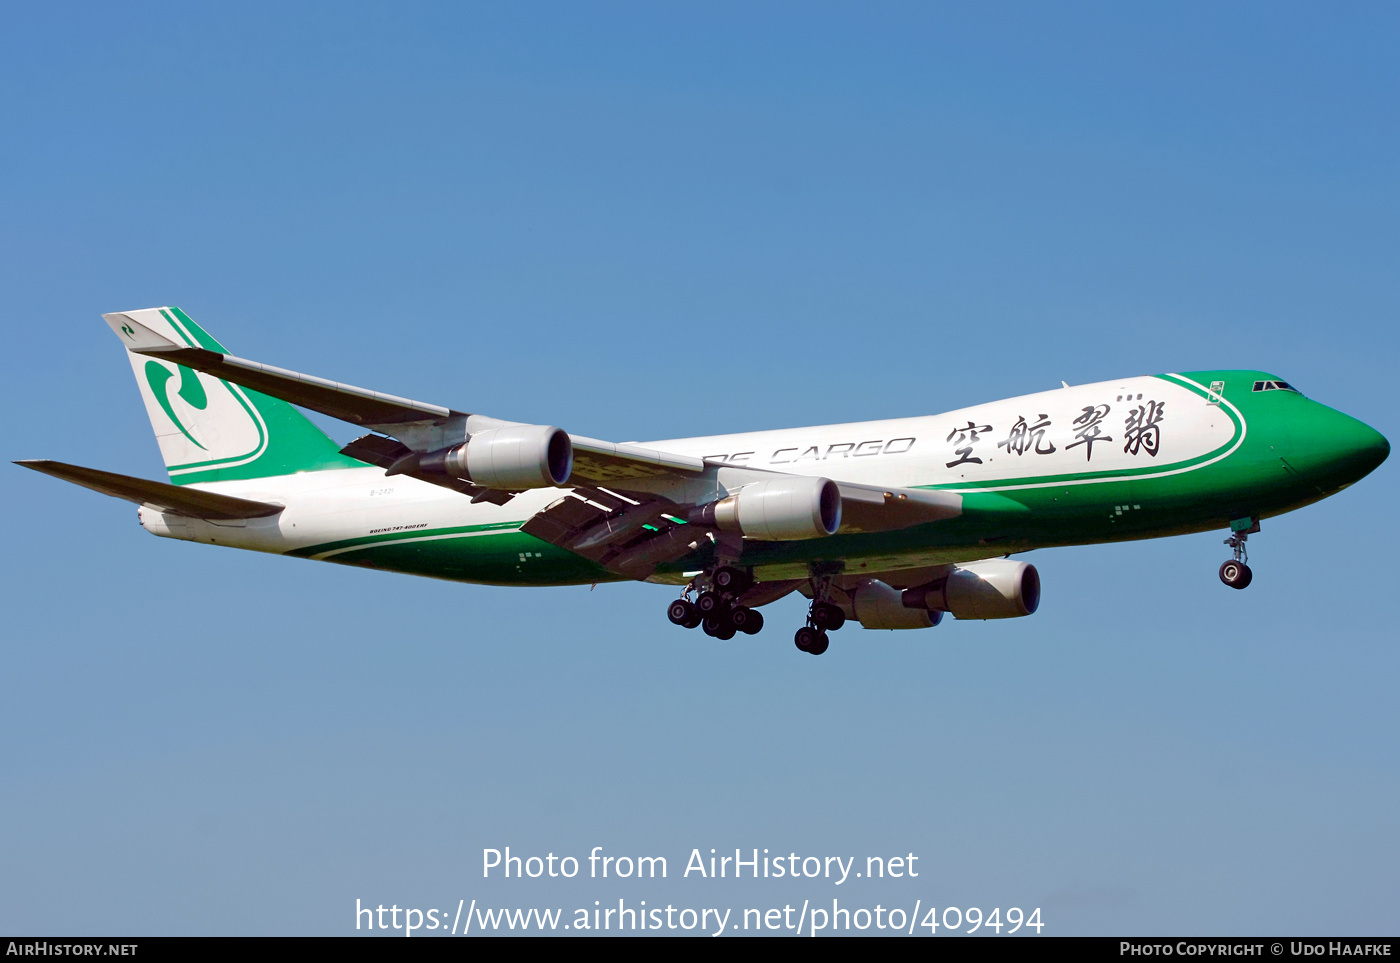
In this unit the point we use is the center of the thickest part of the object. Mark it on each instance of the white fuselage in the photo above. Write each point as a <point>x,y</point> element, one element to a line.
<point>976,448</point>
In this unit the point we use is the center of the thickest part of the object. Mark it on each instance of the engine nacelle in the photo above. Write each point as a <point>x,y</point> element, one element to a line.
<point>880,606</point>
<point>778,510</point>
<point>512,458</point>
<point>998,588</point>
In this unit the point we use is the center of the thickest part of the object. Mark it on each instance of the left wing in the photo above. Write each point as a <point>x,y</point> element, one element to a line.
<point>417,425</point>
<point>630,507</point>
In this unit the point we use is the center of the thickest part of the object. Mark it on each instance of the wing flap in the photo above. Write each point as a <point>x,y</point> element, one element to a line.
<point>623,535</point>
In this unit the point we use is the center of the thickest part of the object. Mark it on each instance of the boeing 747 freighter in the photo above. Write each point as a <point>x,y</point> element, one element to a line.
<point>890,524</point>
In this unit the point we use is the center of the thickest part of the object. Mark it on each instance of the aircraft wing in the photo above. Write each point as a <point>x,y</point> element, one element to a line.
<point>869,508</point>
<point>418,425</point>
<point>629,503</point>
<point>359,406</point>
<point>606,461</point>
<point>632,532</point>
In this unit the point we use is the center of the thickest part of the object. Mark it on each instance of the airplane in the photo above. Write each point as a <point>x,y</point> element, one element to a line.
<point>889,524</point>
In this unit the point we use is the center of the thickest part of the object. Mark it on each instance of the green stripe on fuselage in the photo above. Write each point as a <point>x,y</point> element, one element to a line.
<point>497,553</point>
<point>1272,469</point>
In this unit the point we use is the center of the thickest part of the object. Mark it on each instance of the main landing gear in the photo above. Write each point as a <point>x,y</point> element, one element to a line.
<point>1235,573</point>
<point>716,609</point>
<point>822,617</point>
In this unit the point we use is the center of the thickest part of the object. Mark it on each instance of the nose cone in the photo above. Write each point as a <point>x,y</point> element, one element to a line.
<point>1371,447</point>
<point>1333,449</point>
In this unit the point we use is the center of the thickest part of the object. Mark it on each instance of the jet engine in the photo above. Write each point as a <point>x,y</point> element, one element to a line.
<point>513,458</point>
<point>997,588</point>
<point>781,509</point>
<point>880,606</point>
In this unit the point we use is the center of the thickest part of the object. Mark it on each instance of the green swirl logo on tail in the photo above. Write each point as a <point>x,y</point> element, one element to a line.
<point>158,376</point>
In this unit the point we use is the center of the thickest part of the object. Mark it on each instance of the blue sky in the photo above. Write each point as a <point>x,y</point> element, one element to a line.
<point>639,222</point>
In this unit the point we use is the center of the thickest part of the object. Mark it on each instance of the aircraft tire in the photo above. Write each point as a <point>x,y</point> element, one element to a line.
<point>805,638</point>
<point>827,616</point>
<point>1236,574</point>
<point>730,579</point>
<point>821,645</point>
<point>752,623</point>
<point>680,612</point>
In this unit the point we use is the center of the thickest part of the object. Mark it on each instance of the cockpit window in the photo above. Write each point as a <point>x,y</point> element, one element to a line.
<point>1275,386</point>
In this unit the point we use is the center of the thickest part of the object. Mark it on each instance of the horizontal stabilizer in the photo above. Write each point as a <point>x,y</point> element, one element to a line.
<point>159,495</point>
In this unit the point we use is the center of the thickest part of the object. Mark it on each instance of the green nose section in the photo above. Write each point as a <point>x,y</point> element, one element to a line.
<point>1371,446</point>
<point>1331,449</point>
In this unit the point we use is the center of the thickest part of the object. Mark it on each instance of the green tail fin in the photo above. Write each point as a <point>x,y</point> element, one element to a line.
<point>211,430</point>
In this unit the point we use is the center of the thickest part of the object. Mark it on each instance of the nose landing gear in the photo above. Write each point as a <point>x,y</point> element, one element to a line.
<point>1236,573</point>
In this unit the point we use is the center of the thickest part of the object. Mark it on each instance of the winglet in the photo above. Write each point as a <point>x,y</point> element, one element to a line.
<point>135,335</point>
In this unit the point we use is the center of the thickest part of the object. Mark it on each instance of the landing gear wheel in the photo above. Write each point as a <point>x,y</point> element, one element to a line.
<point>709,603</point>
<point>805,638</point>
<point>810,640</point>
<point>725,633</point>
<point>727,578</point>
<point>827,617</point>
<point>680,612</point>
<point>1236,574</point>
<point>746,620</point>
<point>712,625</point>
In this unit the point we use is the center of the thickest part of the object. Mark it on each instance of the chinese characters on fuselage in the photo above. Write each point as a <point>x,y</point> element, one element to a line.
<point>966,435</point>
<point>1144,428</point>
<point>1142,433</point>
<point>1087,429</point>
<point>1024,437</point>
